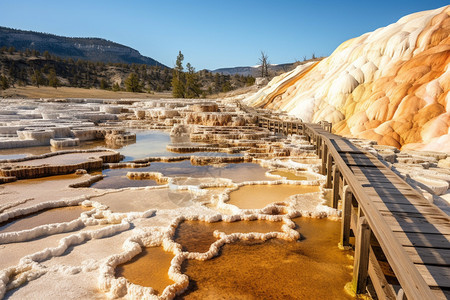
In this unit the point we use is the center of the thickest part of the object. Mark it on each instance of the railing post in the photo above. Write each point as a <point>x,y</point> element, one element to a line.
<point>361,266</point>
<point>346,216</point>
<point>329,167</point>
<point>324,158</point>
<point>316,139</point>
<point>319,146</point>
<point>400,295</point>
<point>336,178</point>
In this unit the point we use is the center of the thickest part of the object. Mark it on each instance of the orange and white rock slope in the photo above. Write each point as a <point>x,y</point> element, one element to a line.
<point>391,85</point>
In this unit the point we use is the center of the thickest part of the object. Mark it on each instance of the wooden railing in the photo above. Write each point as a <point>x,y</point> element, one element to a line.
<point>278,126</point>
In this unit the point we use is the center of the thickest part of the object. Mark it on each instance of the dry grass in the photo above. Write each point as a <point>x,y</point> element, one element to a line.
<point>71,92</point>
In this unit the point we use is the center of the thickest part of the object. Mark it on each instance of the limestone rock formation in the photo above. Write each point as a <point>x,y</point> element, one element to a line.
<point>391,85</point>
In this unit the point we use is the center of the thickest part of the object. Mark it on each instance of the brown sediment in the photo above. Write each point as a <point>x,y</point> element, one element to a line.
<point>50,216</point>
<point>149,268</point>
<point>259,196</point>
<point>194,236</point>
<point>238,172</point>
<point>313,268</point>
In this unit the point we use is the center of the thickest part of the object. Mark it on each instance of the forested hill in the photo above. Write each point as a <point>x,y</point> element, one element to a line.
<point>30,67</point>
<point>92,49</point>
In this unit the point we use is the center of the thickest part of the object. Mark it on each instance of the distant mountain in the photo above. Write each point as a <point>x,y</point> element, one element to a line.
<point>255,70</point>
<point>92,49</point>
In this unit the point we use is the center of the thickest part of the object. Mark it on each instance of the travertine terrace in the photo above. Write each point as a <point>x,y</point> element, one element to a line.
<point>117,223</point>
<point>83,254</point>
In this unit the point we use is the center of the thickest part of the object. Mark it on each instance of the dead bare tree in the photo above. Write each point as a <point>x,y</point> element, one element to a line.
<point>264,62</point>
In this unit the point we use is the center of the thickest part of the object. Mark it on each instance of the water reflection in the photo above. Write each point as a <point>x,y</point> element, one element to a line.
<point>196,236</point>
<point>259,196</point>
<point>239,172</point>
<point>313,268</point>
<point>149,268</point>
<point>55,215</point>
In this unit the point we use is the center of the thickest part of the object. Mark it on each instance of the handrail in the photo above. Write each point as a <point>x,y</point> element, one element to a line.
<point>277,120</point>
<point>407,274</point>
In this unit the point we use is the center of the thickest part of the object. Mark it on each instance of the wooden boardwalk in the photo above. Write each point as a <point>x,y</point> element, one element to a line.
<point>382,212</point>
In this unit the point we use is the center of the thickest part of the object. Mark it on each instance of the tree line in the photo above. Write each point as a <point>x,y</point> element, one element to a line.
<point>30,67</point>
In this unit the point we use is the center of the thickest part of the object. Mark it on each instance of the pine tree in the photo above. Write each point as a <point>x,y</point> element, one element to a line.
<point>132,83</point>
<point>192,83</point>
<point>4,84</point>
<point>37,78</point>
<point>103,84</point>
<point>178,80</point>
<point>226,87</point>
<point>47,55</point>
<point>52,79</point>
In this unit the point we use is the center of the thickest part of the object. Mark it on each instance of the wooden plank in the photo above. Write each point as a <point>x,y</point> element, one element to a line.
<point>383,189</point>
<point>435,275</point>
<point>383,169</point>
<point>394,192</point>
<point>398,199</point>
<point>374,173</point>
<point>441,294</point>
<point>417,239</point>
<point>432,219</point>
<point>415,225</point>
<point>376,178</point>
<point>379,179</point>
<point>345,150</point>
<point>342,145</point>
<point>440,221</point>
<point>355,158</point>
<point>429,256</point>
<point>409,208</point>
<point>381,186</point>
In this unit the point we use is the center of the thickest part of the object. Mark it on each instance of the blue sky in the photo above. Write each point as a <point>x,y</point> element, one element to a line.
<point>213,34</point>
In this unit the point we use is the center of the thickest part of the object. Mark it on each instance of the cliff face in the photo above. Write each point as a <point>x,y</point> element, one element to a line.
<point>391,85</point>
<point>93,49</point>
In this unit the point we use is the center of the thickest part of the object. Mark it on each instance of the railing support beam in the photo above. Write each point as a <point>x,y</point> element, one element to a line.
<point>335,195</point>
<point>361,266</point>
<point>346,216</point>
<point>329,170</point>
